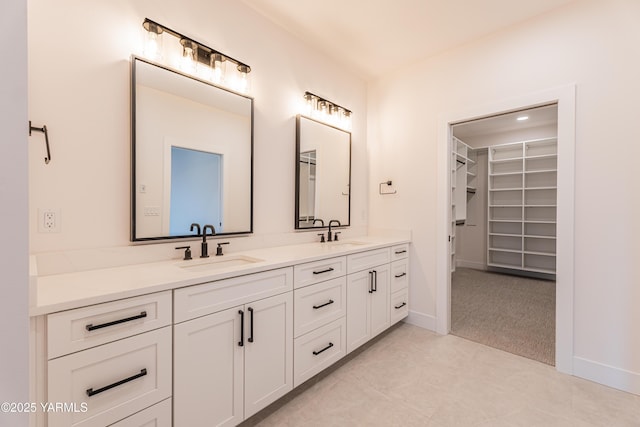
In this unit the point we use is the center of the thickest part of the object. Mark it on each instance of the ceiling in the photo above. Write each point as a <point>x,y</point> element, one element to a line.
<point>536,117</point>
<point>372,37</point>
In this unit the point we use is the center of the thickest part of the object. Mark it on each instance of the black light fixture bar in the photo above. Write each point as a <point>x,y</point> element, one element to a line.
<point>204,51</point>
<point>319,98</point>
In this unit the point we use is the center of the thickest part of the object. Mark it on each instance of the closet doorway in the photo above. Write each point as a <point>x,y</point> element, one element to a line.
<point>503,231</point>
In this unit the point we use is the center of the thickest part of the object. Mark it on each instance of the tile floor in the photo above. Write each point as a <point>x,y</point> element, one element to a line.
<point>412,377</point>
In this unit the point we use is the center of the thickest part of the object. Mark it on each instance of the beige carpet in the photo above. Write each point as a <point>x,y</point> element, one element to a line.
<point>511,313</point>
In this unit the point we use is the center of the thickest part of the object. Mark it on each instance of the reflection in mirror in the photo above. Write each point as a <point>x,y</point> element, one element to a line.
<point>192,155</point>
<point>323,174</point>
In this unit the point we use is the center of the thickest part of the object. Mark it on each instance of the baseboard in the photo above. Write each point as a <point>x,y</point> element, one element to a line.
<point>471,264</point>
<point>422,320</point>
<point>607,375</point>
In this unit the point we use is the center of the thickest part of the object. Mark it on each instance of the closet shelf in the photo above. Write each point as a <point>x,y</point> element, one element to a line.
<point>513,251</point>
<point>550,254</point>
<point>505,173</point>
<point>506,189</point>
<point>541,188</point>
<point>506,235</point>
<point>538,236</point>
<point>539,221</point>
<point>512,159</point>
<point>541,206</point>
<point>542,156</point>
<point>542,171</point>
<point>509,266</point>
<point>505,206</point>
<point>506,220</point>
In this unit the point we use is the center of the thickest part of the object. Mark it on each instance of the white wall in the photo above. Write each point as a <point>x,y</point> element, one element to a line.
<point>79,86</point>
<point>14,326</point>
<point>592,43</point>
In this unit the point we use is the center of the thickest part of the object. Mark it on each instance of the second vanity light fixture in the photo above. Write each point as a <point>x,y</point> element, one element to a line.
<point>326,111</point>
<point>197,59</point>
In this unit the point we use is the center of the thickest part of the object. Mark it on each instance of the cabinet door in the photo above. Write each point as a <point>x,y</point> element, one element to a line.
<point>358,324</point>
<point>268,352</point>
<point>208,370</point>
<point>379,299</point>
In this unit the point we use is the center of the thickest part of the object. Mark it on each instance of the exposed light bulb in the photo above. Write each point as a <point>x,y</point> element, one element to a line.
<point>244,84</point>
<point>309,104</point>
<point>217,67</point>
<point>189,56</point>
<point>153,41</point>
<point>522,118</point>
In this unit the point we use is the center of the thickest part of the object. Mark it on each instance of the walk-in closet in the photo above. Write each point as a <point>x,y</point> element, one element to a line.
<point>503,231</point>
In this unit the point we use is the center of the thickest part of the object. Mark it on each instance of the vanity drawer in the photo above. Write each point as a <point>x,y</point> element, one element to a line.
<point>399,305</point>
<point>319,271</point>
<point>200,300</point>
<point>363,260</point>
<point>399,251</point>
<point>319,304</point>
<point>82,328</point>
<point>114,380</point>
<point>318,350</point>
<point>399,275</point>
<point>158,415</point>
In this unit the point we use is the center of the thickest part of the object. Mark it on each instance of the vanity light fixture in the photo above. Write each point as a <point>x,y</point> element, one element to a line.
<point>198,59</point>
<point>326,111</point>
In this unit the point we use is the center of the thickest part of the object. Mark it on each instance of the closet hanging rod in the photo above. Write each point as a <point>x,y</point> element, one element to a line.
<point>43,129</point>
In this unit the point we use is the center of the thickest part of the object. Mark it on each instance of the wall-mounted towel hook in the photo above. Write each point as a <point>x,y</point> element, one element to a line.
<point>43,129</point>
<point>388,184</point>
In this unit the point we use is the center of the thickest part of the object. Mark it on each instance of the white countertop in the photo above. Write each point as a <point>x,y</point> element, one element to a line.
<point>71,290</point>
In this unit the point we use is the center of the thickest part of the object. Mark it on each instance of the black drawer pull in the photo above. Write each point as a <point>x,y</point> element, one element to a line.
<point>401,252</point>
<point>241,342</point>
<point>315,307</point>
<point>91,327</point>
<point>375,281</point>
<point>400,275</point>
<point>371,282</point>
<point>250,339</point>
<point>323,271</point>
<point>315,353</point>
<point>398,307</point>
<point>92,392</point>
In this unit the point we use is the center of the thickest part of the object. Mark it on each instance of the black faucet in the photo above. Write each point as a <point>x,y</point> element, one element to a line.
<point>329,232</point>
<point>204,247</point>
<point>318,219</point>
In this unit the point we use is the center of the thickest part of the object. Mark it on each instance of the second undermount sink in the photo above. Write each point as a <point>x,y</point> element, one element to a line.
<point>216,263</point>
<point>345,244</point>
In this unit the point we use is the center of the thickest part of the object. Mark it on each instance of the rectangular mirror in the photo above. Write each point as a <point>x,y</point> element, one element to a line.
<point>192,155</point>
<point>323,174</point>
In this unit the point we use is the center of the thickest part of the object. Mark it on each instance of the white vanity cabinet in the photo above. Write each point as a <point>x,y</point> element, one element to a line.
<point>367,295</point>
<point>109,361</point>
<point>399,308</point>
<point>320,305</point>
<point>233,361</point>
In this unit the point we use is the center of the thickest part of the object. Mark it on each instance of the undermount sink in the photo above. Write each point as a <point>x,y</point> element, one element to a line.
<point>346,244</point>
<point>215,263</point>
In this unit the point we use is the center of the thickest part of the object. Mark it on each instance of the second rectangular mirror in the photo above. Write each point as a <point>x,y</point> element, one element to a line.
<point>323,174</point>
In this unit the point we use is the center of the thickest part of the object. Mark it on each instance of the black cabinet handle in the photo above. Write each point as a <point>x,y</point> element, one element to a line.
<point>241,342</point>
<point>398,307</point>
<point>323,271</point>
<point>315,353</point>
<point>315,307</point>
<point>401,252</point>
<point>371,282</point>
<point>250,325</point>
<point>400,275</point>
<point>92,392</point>
<point>92,327</point>
<point>375,281</point>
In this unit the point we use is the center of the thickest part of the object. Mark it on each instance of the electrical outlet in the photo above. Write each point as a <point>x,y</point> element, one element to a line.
<point>49,220</point>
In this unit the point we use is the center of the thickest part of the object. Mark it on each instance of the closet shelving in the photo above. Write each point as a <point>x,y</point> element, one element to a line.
<point>463,169</point>
<point>522,179</point>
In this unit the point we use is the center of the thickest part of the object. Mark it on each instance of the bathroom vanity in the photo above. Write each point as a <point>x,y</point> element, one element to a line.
<point>207,341</point>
